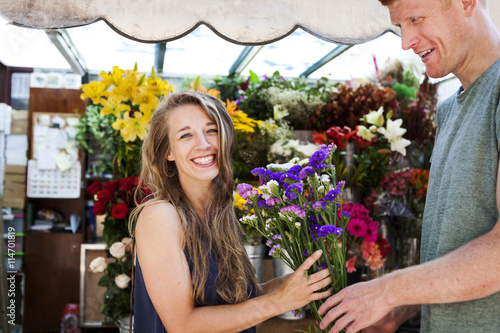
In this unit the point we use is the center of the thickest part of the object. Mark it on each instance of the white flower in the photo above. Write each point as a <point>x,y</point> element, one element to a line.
<point>325,179</point>
<point>297,224</point>
<point>365,133</point>
<point>376,117</point>
<point>117,250</point>
<point>307,149</point>
<point>98,265</point>
<point>122,281</point>
<point>393,130</point>
<point>280,112</point>
<point>400,145</point>
<point>128,243</point>
<point>304,162</point>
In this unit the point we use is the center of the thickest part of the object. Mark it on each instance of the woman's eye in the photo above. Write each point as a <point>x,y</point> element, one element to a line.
<point>184,136</point>
<point>213,130</point>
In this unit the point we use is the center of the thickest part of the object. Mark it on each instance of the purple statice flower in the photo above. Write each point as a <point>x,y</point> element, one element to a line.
<point>290,175</point>
<point>320,204</point>
<point>306,254</point>
<point>314,227</point>
<point>340,185</point>
<point>346,214</point>
<point>274,248</point>
<point>243,188</point>
<point>262,203</point>
<point>277,236</point>
<point>295,169</point>
<point>332,194</point>
<point>272,201</point>
<point>247,194</point>
<point>338,204</point>
<point>328,230</point>
<point>317,159</point>
<point>292,190</point>
<point>260,172</point>
<point>295,209</point>
<point>306,171</point>
<point>276,176</point>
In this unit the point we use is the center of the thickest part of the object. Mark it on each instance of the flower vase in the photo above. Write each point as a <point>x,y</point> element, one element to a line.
<point>281,269</point>
<point>123,324</point>
<point>406,251</point>
<point>256,256</point>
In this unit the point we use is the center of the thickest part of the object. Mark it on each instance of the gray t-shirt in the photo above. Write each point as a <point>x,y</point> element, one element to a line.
<point>461,197</point>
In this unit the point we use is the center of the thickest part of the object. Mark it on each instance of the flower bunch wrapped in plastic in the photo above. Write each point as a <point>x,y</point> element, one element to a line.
<point>299,211</point>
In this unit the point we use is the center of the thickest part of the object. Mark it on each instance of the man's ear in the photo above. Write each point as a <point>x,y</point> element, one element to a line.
<point>469,6</point>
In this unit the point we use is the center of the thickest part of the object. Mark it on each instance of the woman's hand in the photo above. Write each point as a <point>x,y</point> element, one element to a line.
<point>299,289</point>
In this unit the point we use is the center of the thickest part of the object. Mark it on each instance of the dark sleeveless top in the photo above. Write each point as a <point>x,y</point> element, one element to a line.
<point>146,319</point>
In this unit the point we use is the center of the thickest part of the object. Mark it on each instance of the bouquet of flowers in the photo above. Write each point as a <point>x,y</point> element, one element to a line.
<point>364,245</point>
<point>115,200</point>
<point>118,117</point>
<point>116,279</point>
<point>299,211</point>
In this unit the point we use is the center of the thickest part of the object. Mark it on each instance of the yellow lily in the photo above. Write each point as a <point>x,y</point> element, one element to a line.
<point>136,126</point>
<point>94,90</point>
<point>113,78</point>
<point>113,105</point>
<point>232,108</point>
<point>158,87</point>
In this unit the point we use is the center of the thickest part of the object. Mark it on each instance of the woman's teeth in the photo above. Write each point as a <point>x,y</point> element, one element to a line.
<point>204,160</point>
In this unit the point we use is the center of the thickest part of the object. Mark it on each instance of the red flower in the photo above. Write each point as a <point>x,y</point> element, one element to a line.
<point>112,185</point>
<point>383,246</point>
<point>100,208</point>
<point>128,183</point>
<point>120,211</point>
<point>94,188</point>
<point>105,195</point>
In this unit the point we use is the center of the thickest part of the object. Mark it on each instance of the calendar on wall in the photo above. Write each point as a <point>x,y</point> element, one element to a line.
<point>54,170</point>
<point>53,183</point>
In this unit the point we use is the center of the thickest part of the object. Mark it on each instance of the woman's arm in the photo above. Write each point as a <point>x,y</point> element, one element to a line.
<point>168,282</point>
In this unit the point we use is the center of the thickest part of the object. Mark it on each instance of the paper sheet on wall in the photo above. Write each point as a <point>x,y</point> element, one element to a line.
<point>53,183</point>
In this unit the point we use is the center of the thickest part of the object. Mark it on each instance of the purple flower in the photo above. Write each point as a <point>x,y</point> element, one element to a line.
<point>273,201</point>
<point>290,175</point>
<point>292,191</point>
<point>243,187</point>
<point>306,171</point>
<point>295,169</point>
<point>331,195</point>
<point>247,194</point>
<point>265,77</point>
<point>260,172</point>
<point>269,243</point>
<point>295,209</point>
<point>274,248</point>
<point>277,236</point>
<point>306,254</point>
<point>346,214</point>
<point>329,229</point>
<point>262,203</point>
<point>317,159</point>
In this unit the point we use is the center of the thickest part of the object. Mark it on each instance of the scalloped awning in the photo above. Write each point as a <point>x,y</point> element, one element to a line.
<point>239,21</point>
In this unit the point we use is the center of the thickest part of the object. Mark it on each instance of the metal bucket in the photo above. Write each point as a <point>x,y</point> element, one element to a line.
<point>256,256</point>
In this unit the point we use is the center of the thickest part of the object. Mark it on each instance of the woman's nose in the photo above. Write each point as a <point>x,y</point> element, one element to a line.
<point>202,142</point>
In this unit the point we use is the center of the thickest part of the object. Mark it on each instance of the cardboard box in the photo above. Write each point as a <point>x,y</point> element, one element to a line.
<point>19,124</point>
<point>15,169</point>
<point>13,202</point>
<point>14,188</point>
<point>15,178</point>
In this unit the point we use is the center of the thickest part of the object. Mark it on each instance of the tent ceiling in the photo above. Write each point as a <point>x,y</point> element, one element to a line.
<point>325,25</point>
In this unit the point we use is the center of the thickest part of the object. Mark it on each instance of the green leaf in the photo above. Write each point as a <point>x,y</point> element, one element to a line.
<point>142,79</point>
<point>254,78</point>
<point>153,73</point>
<point>103,282</point>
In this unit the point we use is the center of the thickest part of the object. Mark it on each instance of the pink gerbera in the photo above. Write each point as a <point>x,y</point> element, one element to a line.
<point>371,233</point>
<point>357,228</point>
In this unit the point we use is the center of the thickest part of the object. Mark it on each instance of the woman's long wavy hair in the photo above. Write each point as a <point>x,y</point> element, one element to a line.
<point>221,233</point>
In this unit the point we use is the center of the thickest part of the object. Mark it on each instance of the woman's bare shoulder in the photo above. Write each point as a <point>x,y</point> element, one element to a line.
<point>158,216</point>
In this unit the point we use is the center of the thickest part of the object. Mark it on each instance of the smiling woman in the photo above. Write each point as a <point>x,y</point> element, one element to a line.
<point>190,253</point>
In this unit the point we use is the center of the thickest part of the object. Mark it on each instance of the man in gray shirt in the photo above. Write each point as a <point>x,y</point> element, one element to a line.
<point>457,285</point>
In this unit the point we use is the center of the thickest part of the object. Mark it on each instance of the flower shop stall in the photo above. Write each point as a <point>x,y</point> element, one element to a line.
<point>382,130</point>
